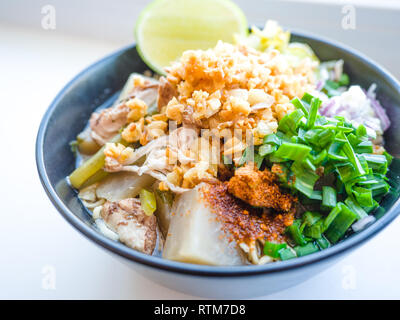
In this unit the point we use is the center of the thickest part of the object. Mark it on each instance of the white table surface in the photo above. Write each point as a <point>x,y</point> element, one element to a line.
<point>34,238</point>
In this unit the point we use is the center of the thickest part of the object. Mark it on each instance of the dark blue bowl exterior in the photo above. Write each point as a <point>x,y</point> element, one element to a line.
<point>68,114</point>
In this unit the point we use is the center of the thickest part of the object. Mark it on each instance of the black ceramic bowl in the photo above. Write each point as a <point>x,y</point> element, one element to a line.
<point>96,85</point>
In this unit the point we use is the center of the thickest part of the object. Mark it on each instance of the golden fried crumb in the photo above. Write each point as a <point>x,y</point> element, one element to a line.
<point>259,189</point>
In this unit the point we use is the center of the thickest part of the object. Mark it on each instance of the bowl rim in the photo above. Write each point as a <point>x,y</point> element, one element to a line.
<point>204,270</point>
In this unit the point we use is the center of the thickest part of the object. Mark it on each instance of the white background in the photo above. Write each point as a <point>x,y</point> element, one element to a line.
<point>35,64</point>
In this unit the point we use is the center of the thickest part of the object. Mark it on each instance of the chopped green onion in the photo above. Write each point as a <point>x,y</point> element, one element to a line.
<point>316,195</point>
<point>376,162</point>
<point>315,103</point>
<point>266,149</point>
<point>319,137</point>
<point>287,253</point>
<point>340,187</point>
<point>389,158</point>
<point>348,150</point>
<point>332,216</point>
<point>363,162</point>
<point>308,165</point>
<point>312,224</point>
<point>299,105</point>
<point>344,80</point>
<point>356,208</point>
<point>309,218</point>
<point>306,249</point>
<point>245,157</point>
<point>340,119</point>
<point>379,188</point>
<point>305,183</point>
<point>364,147</point>
<point>328,197</point>
<point>346,172</point>
<point>273,158</point>
<point>330,88</point>
<point>315,231</point>
<point>272,249</point>
<point>295,233</point>
<point>319,158</point>
<point>290,122</point>
<point>335,150</point>
<point>272,139</point>
<point>370,209</point>
<point>363,196</point>
<point>323,242</point>
<point>353,139</point>
<point>306,141</point>
<point>344,129</point>
<point>258,160</point>
<point>368,180</point>
<point>342,222</point>
<point>307,98</point>
<point>304,179</point>
<point>361,132</point>
<point>293,151</point>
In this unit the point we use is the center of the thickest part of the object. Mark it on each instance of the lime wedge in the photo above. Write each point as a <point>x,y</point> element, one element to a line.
<point>167,28</point>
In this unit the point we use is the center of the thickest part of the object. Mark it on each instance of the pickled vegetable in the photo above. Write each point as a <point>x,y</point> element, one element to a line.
<point>195,236</point>
<point>86,145</point>
<point>122,185</point>
<point>91,166</point>
<point>148,202</point>
<point>164,201</point>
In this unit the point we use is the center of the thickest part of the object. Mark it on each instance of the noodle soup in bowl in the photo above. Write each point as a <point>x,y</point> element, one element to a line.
<point>103,81</point>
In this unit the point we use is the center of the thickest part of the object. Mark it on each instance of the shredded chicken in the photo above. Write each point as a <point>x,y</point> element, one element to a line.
<point>135,229</point>
<point>166,91</point>
<point>180,141</point>
<point>157,164</point>
<point>147,92</point>
<point>108,122</point>
<point>259,189</point>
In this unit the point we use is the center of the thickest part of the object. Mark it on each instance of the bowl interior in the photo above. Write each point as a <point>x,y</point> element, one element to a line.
<point>98,85</point>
